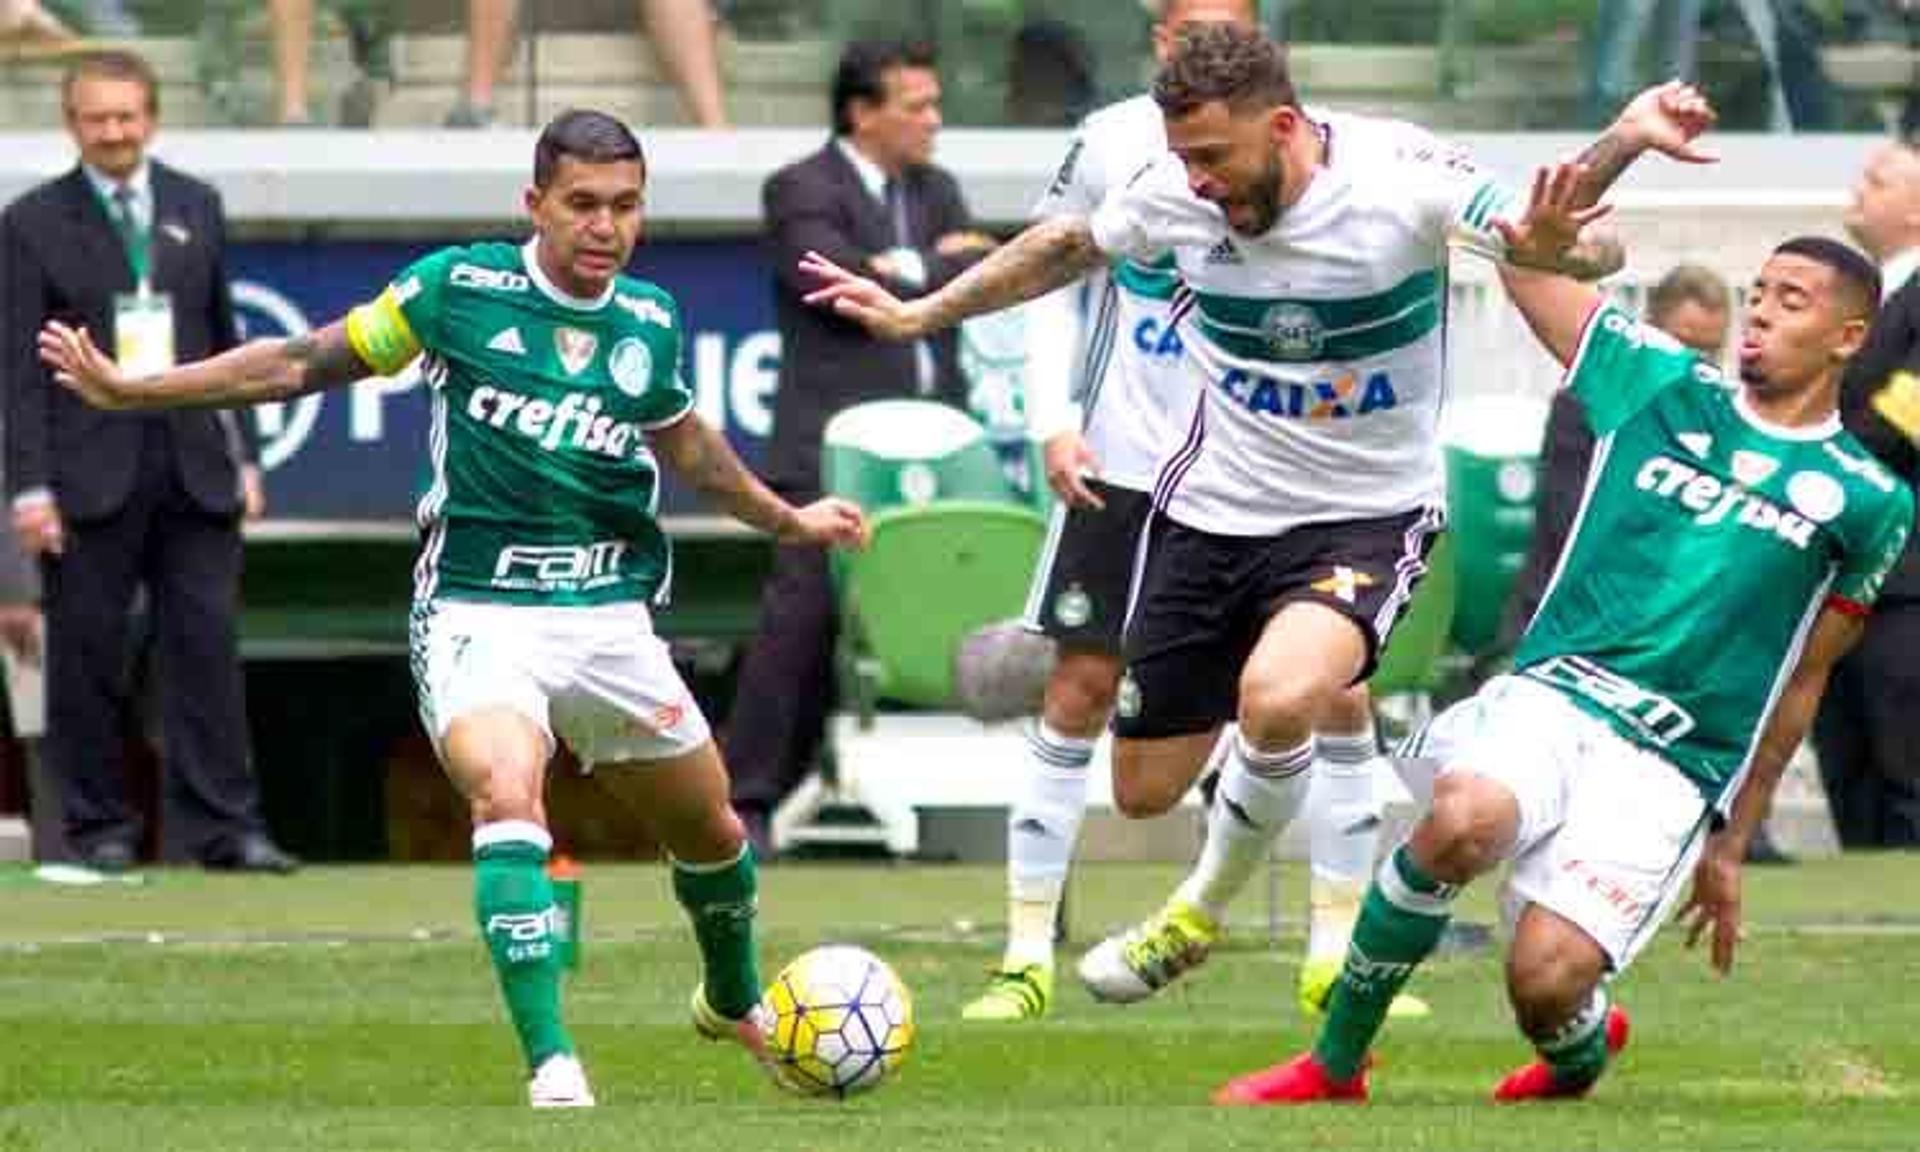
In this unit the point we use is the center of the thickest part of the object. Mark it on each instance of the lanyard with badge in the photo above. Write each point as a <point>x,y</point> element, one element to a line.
<point>143,318</point>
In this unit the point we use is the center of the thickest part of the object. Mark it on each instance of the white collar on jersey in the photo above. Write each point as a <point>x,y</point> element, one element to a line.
<point>531,258</point>
<point>1806,433</point>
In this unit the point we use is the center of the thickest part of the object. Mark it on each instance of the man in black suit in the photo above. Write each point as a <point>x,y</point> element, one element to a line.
<point>1868,729</point>
<point>870,199</point>
<point>134,251</point>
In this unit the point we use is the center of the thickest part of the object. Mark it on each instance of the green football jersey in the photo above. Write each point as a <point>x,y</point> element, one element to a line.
<point>1706,544</point>
<point>541,486</point>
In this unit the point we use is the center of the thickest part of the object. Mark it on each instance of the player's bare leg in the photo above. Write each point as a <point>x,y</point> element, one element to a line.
<point>1556,980</point>
<point>1042,827</point>
<point>497,758</point>
<point>1307,654</point>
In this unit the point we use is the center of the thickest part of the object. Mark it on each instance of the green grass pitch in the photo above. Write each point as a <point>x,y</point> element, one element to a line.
<point>352,1009</point>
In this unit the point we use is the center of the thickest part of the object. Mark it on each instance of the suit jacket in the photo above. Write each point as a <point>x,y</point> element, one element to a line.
<point>827,362</point>
<point>60,257</point>
<point>1892,344</point>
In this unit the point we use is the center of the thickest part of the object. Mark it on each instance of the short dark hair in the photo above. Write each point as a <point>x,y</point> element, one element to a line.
<point>1687,284</point>
<point>585,135</point>
<point>1216,61</point>
<point>861,74</point>
<point>111,64</point>
<point>1859,279</point>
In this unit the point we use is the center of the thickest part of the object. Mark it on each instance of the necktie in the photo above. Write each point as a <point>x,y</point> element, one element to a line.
<point>925,373</point>
<point>133,237</point>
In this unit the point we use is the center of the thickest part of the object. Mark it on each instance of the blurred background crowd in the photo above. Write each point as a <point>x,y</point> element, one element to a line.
<point>1806,65</point>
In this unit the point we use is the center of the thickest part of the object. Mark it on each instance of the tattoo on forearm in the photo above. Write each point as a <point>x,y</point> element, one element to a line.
<point>1049,255</point>
<point>1595,258</point>
<point>1605,159</point>
<point>325,359</point>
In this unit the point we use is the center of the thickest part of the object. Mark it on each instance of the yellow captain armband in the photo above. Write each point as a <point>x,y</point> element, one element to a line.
<point>379,332</point>
<point>1898,401</point>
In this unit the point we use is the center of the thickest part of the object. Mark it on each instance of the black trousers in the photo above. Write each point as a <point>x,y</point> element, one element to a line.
<point>786,682</point>
<point>1868,733</point>
<point>189,562</point>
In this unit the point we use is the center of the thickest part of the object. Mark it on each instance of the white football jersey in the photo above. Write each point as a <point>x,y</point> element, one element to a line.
<point>1318,343</point>
<point>1123,364</point>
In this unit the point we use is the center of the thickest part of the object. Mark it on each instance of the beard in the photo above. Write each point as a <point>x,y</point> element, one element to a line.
<point>1259,208</point>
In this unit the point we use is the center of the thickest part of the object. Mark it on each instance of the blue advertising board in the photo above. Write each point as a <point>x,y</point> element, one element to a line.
<point>358,453</point>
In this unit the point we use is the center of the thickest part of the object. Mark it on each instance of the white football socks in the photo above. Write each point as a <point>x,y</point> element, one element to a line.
<point>1259,793</point>
<point>1343,822</point>
<point>1042,826</point>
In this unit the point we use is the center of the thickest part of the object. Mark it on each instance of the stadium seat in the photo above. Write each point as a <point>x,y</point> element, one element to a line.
<point>907,453</point>
<point>1492,452</point>
<point>953,545</point>
<point>952,550</point>
<point>932,576</point>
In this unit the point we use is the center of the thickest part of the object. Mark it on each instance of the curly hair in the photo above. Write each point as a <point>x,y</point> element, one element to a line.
<point>1223,62</point>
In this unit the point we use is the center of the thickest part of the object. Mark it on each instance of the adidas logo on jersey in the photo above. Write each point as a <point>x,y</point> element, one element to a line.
<point>1224,252</point>
<point>508,340</point>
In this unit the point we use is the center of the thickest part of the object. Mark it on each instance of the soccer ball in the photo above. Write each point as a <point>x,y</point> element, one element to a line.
<point>842,1022</point>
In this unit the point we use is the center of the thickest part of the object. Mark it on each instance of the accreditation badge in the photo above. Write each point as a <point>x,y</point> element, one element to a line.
<point>143,333</point>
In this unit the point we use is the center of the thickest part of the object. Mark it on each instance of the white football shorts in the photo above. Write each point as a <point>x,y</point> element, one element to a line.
<point>595,678</point>
<point>1609,831</point>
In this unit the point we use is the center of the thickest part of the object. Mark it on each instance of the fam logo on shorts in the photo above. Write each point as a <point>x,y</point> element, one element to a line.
<point>631,365</point>
<point>1294,332</point>
<point>1073,607</point>
<point>1126,700</point>
<point>1345,583</point>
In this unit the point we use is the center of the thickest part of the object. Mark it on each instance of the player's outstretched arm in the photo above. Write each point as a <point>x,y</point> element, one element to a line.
<point>703,458</point>
<point>1665,118</point>
<point>254,373</point>
<point>1714,904</point>
<point>1555,307</point>
<point>1048,255</point>
<point>1557,233</point>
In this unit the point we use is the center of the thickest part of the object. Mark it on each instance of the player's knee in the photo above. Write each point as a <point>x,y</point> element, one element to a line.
<point>504,795</point>
<point>1080,693</point>
<point>1461,836</point>
<point>1277,712</point>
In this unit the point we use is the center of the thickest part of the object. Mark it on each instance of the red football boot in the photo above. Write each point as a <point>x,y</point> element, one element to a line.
<point>1300,1080</point>
<point>1535,1081</point>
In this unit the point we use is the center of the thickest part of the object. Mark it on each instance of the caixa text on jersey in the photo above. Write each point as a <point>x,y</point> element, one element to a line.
<point>1340,398</point>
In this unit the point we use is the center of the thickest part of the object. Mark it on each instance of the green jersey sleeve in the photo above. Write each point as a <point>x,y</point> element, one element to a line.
<point>1622,364</point>
<point>390,330</point>
<point>667,397</point>
<point>1864,569</point>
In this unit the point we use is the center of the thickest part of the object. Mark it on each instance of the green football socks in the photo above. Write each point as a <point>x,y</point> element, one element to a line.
<point>721,899</point>
<point>1578,1053</point>
<point>513,901</point>
<point>1403,917</point>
